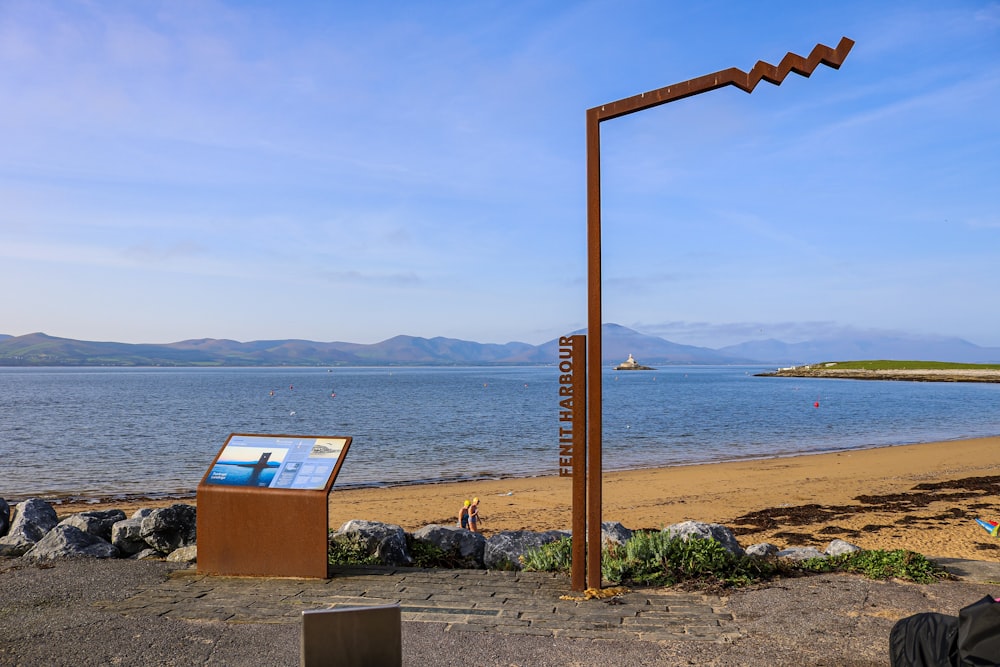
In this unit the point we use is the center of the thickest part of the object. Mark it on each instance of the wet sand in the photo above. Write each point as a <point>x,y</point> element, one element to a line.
<point>918,497</point>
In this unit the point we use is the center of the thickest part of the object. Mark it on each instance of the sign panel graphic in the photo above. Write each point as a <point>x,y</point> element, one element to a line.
<point>277,461</point>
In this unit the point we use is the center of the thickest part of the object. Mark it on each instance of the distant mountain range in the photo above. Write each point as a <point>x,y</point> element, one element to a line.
<point>39,349</point>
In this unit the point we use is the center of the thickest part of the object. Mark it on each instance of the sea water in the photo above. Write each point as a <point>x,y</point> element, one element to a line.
<point>118,432</point>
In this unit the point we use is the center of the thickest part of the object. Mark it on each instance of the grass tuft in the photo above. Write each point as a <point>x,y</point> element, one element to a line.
<point>654,558</point>
<point>346,551</point>
<point>879,564</point>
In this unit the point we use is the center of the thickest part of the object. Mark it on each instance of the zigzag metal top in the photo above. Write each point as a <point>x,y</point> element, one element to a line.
<point>733,76</point>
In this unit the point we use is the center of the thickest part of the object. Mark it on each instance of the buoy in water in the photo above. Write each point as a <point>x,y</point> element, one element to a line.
<point>816,404</point>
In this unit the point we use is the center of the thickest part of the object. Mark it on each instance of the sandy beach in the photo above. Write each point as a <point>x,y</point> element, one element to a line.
<point>919,497</point>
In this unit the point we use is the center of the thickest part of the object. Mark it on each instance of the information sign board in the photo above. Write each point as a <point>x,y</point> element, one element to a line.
<point>263,506</point>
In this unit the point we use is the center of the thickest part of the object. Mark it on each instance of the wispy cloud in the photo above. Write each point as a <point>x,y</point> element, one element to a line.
<point>984,223</point>
<point>377,279</point>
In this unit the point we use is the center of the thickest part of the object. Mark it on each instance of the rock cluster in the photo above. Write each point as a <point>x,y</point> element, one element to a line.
<point>390,545</point>
<point>35,533</point>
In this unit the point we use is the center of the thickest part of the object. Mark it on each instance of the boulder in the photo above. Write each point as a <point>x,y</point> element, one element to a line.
<point>762,550</point>
<point>127,535</point>
<point>33,518</point>
<point>504,550</point>
<point>385,541</point>
<point>463,547</point>
<point>800,553</point>
<point>614,533</point>
<point>66,541</point>
<point>169,528</point>
<point>147,554</point>
<point>839,546</point>
<point>706,531</point>
<point>4,517</point>
<point>184,554</point>
<point>95,522</point>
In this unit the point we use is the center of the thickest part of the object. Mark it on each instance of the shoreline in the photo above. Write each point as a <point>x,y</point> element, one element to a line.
<point>920,497</point>
<point>59,499</point>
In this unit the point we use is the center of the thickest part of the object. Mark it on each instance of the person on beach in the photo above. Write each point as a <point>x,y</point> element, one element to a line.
<point>474,515</point>
<point>463,515</point>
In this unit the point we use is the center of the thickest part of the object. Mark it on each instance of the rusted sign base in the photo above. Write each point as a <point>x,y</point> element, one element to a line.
<point>277,533</point>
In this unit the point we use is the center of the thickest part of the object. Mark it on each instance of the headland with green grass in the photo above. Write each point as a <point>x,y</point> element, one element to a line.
<point>883,369</point>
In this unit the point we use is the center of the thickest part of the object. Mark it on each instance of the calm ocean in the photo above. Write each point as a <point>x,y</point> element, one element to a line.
<point>115,432</point>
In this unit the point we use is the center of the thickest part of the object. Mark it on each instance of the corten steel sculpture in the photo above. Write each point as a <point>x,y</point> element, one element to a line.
<point>733,76</point>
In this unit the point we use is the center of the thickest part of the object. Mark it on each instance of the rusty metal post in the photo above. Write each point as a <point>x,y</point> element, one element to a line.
<point>579,567</point>
<point>733,76</point>
<point>594,387</point>
<point>573,444</point>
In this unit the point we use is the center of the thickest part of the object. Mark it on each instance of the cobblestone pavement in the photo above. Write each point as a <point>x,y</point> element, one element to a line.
<point>516,603</point>
<point>100,612</point>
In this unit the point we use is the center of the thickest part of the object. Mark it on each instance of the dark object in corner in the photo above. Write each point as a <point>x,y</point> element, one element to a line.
<point>939,640</point>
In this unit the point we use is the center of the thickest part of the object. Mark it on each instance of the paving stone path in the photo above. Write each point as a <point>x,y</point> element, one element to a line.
<point>464,600</point>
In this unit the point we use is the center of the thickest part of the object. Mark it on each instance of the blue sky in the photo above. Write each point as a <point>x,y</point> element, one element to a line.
<point>353,171</point>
